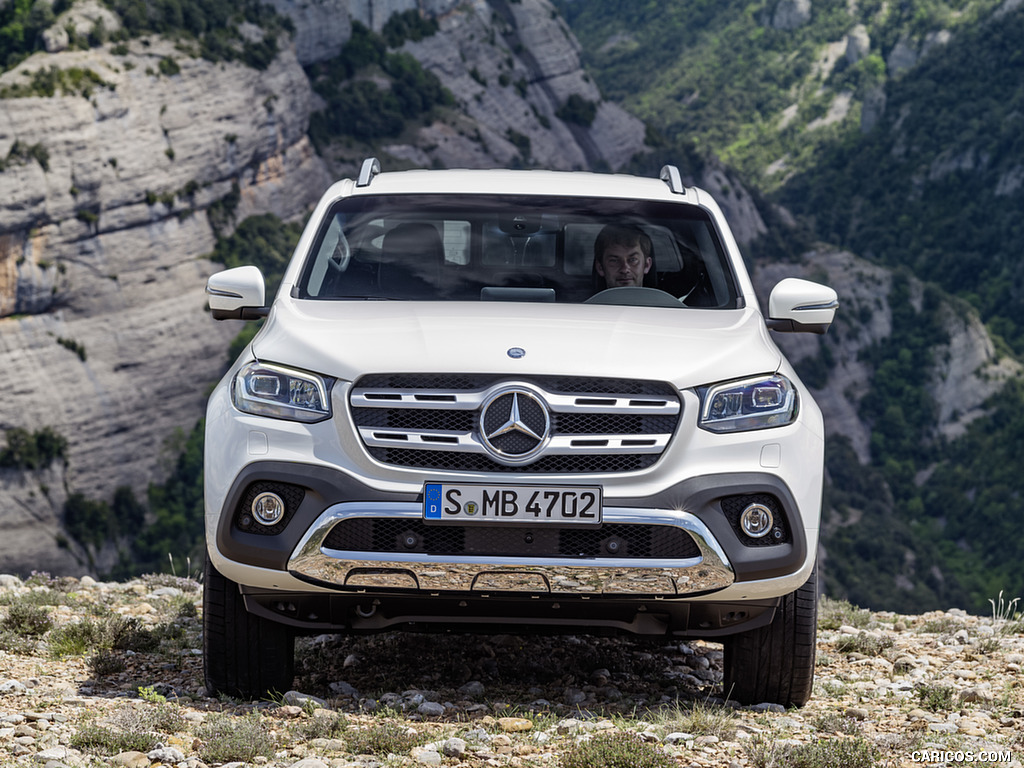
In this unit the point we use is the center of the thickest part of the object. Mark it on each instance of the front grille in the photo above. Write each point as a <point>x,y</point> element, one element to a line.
<point>370,534</point>
<point>433,421</point>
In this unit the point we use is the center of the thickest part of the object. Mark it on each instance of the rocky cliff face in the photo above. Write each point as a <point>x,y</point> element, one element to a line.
<point>512,68</point>
<point>101,270</point>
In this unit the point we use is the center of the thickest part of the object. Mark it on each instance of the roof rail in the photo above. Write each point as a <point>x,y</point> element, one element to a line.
<point>670,175</point>
<point>371,167</point>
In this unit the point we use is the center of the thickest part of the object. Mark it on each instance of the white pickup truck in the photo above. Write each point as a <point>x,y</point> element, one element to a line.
<point>514,400</point>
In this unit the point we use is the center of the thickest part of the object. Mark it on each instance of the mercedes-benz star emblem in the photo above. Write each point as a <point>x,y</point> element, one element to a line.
<point>514,425</point>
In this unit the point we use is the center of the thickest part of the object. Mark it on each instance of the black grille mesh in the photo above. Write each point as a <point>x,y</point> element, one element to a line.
<point>478,462</point>
<point>411,535</point>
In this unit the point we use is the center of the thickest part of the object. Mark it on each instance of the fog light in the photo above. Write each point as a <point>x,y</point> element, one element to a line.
<point>268,508</point>
<point>756,520</point>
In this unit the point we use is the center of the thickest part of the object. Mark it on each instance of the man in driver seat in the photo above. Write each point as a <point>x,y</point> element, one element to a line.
<point>622,255</point>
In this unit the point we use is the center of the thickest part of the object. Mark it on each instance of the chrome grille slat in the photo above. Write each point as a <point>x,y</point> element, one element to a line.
<point>414,420</point>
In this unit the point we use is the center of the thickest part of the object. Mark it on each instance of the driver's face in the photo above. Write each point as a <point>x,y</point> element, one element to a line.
<point>622,265</point>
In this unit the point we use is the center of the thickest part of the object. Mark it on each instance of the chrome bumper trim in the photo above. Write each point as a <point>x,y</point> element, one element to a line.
<point>483,575</point>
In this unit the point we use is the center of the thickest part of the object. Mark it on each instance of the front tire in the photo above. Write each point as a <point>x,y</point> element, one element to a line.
<point>775,664</point>
<point>244,656</point>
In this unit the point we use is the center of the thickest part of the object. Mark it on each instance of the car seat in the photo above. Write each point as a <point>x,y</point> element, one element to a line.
<point>411,258</point>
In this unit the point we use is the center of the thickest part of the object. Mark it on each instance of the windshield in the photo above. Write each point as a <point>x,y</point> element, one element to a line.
<point>495,248</point>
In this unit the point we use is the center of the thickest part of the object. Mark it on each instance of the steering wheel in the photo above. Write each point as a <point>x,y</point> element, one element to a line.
<point>634,295</point>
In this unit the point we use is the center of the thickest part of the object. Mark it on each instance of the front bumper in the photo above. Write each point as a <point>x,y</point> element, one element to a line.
<point>315,562</point>
<point>296,555</point>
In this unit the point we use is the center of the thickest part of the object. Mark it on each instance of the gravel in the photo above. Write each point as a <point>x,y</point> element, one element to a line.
<point>470,701</point>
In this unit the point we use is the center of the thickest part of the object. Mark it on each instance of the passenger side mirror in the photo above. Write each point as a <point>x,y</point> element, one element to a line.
<point>237,294</point>
<point>800,306</point>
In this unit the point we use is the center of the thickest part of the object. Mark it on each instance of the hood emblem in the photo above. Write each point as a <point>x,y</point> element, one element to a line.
<point>514,425</point>
<point>516,352</point>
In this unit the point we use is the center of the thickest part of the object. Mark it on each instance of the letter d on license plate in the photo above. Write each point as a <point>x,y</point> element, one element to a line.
<point>524,504</point>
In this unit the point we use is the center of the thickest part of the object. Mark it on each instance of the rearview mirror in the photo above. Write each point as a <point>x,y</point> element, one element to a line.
<point>800,306</point>
<point>237,294</point>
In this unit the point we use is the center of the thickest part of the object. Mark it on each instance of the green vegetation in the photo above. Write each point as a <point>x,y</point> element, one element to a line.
<point>213,24</point>
<point>832,614</point>
<point>937,698</point>
<point>228,738</point>
<point>21,153</point>
<point>383,738</point>
<point>408,25</point>
<point>865,644</point>
<point>356,105</point>
<point>138,729</point>
<point>27,620</point>
<point>54,81</point>
<point>577,110</point>
<point>70,344</point>
<point>32,450</point>
<point>616,750</point>
<point>264,241</point>
<point>854,752</point>
<point>21,25</point>
<point>95,524</point>
<point>943,196</point>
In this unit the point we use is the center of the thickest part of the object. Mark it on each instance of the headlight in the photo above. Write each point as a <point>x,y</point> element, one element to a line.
<point>739,406</point>
<point>281,393</point>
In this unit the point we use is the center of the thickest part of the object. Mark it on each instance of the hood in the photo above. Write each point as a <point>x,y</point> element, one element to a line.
<point>348,339</point>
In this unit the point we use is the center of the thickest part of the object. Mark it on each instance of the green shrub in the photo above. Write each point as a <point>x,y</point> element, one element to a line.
<point>106,663</point>
<point>616,750</point>
<point>21,153</point>
<point>828,753</point>
<point>863,643</point>
<point>382,739</point>
<point>577,110</point>
<point>214,24</point>
<point>89,521</point>
<point>51,81</point>
<point>27,620</point>
<point>408,25</point>
<point>226,738</point>
<point>168,67</point>
<point>104,740</point>
<point>74,346</point>
<point>360,108</point>
<point>77,638</point>
<point>135,728</point>
<point>33,450</point>
<point>323,726</point>
<point>938,698</point>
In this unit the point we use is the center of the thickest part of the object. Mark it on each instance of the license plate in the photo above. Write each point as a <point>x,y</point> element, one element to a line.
<point>524,504</point>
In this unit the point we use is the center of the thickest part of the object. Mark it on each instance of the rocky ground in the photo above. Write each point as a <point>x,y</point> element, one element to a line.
<point>110,674</point>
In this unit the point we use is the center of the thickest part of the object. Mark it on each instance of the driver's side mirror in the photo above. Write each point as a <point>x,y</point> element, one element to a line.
<point>800,306</point>
<point>237,294</point>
